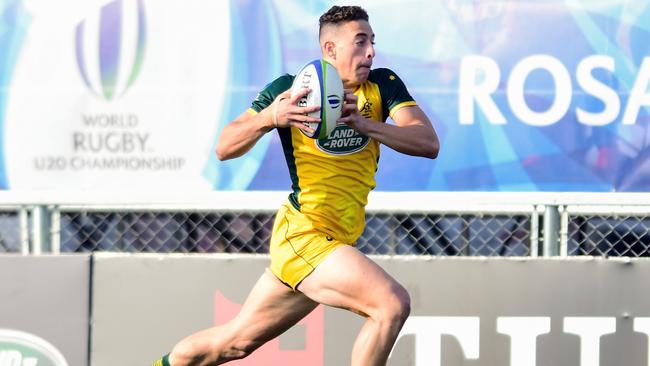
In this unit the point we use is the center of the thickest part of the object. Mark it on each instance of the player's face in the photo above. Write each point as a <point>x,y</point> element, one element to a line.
<point>354,52</point>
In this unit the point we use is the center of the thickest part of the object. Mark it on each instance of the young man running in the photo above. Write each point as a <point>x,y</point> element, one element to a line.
<point>313,258</point>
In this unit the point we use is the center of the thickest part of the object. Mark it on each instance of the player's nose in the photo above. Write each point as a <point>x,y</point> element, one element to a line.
<point>370,53</point>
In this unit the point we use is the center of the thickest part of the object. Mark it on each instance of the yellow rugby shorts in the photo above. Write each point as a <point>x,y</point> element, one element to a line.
<point>297,248</point>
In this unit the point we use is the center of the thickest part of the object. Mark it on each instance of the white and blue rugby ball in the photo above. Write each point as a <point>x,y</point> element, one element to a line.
<point>326,92</point>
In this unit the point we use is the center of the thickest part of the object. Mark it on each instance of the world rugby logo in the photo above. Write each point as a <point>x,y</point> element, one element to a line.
<point>110,47</point>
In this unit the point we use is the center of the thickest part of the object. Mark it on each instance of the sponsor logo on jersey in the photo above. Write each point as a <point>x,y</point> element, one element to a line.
<point>343,141</point>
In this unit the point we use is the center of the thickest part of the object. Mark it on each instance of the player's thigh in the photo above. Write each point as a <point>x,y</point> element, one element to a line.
<point>270,309</point>
<point>350,280</point>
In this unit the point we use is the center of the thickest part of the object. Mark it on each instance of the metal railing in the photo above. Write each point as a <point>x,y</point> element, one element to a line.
<point>422,223</point>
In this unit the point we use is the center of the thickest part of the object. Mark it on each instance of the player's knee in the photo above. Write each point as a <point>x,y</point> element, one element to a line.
<point>398,307</point>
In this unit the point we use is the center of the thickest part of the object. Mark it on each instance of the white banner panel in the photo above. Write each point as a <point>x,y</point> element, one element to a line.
<point>129,98</point>
<point>464,311</point>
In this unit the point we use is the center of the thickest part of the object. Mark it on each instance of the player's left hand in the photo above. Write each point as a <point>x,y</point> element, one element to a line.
<point>350,114</point>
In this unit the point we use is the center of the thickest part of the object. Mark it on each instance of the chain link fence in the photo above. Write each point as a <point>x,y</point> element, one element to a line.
<point>456,225</point>
<point>450,234</point>
<point>165,232</point>
<point>13,226</point>
<point>599,231</point>
<point>453,234</point>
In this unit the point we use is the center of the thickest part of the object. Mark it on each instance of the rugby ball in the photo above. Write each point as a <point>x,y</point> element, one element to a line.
<point>326,92</point>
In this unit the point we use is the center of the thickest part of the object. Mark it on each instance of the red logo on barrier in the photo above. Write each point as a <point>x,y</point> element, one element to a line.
<point>271,354</point>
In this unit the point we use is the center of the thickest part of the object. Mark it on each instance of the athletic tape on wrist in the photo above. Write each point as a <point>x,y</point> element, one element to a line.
<point>275,112</point>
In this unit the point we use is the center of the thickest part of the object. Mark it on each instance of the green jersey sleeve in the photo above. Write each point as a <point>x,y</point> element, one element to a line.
<point>394,94</point>
<point>270,92</point>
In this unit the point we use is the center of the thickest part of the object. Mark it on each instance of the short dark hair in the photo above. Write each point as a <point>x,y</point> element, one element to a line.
<point>340,14</point>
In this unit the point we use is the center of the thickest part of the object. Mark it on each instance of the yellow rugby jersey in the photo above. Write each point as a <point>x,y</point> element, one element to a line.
<point>331,178</point>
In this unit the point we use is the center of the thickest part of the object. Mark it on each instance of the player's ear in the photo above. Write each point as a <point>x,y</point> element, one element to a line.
<point>329,49</point>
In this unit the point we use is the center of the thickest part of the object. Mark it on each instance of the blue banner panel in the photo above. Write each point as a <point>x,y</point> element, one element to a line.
<point>525,95</point>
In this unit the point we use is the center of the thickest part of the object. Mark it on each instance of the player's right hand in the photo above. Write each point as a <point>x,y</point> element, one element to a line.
<point>287,113</point>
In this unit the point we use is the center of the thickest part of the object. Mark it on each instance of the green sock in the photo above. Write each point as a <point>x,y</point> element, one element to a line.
<point>163,361</point>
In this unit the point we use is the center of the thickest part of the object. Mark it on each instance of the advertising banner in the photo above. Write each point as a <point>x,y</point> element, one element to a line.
<point>111,95</point>
<point>131,94</point>
<point>44,310</point>
<point>465,311</point>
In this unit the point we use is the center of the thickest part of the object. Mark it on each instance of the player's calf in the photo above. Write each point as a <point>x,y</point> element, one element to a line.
<point>213,349</point>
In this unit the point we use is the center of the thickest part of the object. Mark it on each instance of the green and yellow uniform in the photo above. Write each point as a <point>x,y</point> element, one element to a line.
<point>331,178</point>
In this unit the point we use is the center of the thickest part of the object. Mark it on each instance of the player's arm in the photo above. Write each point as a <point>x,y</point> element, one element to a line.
<point>240,135</point>
<point>412,134</point>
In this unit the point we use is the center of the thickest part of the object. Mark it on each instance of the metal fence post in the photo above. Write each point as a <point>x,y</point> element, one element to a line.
<point>534,230</point>
<point>564,231</point>
<point>55,229</point>
<point>23,217</point>
<point>40,231</point>
<point>551,231</point>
